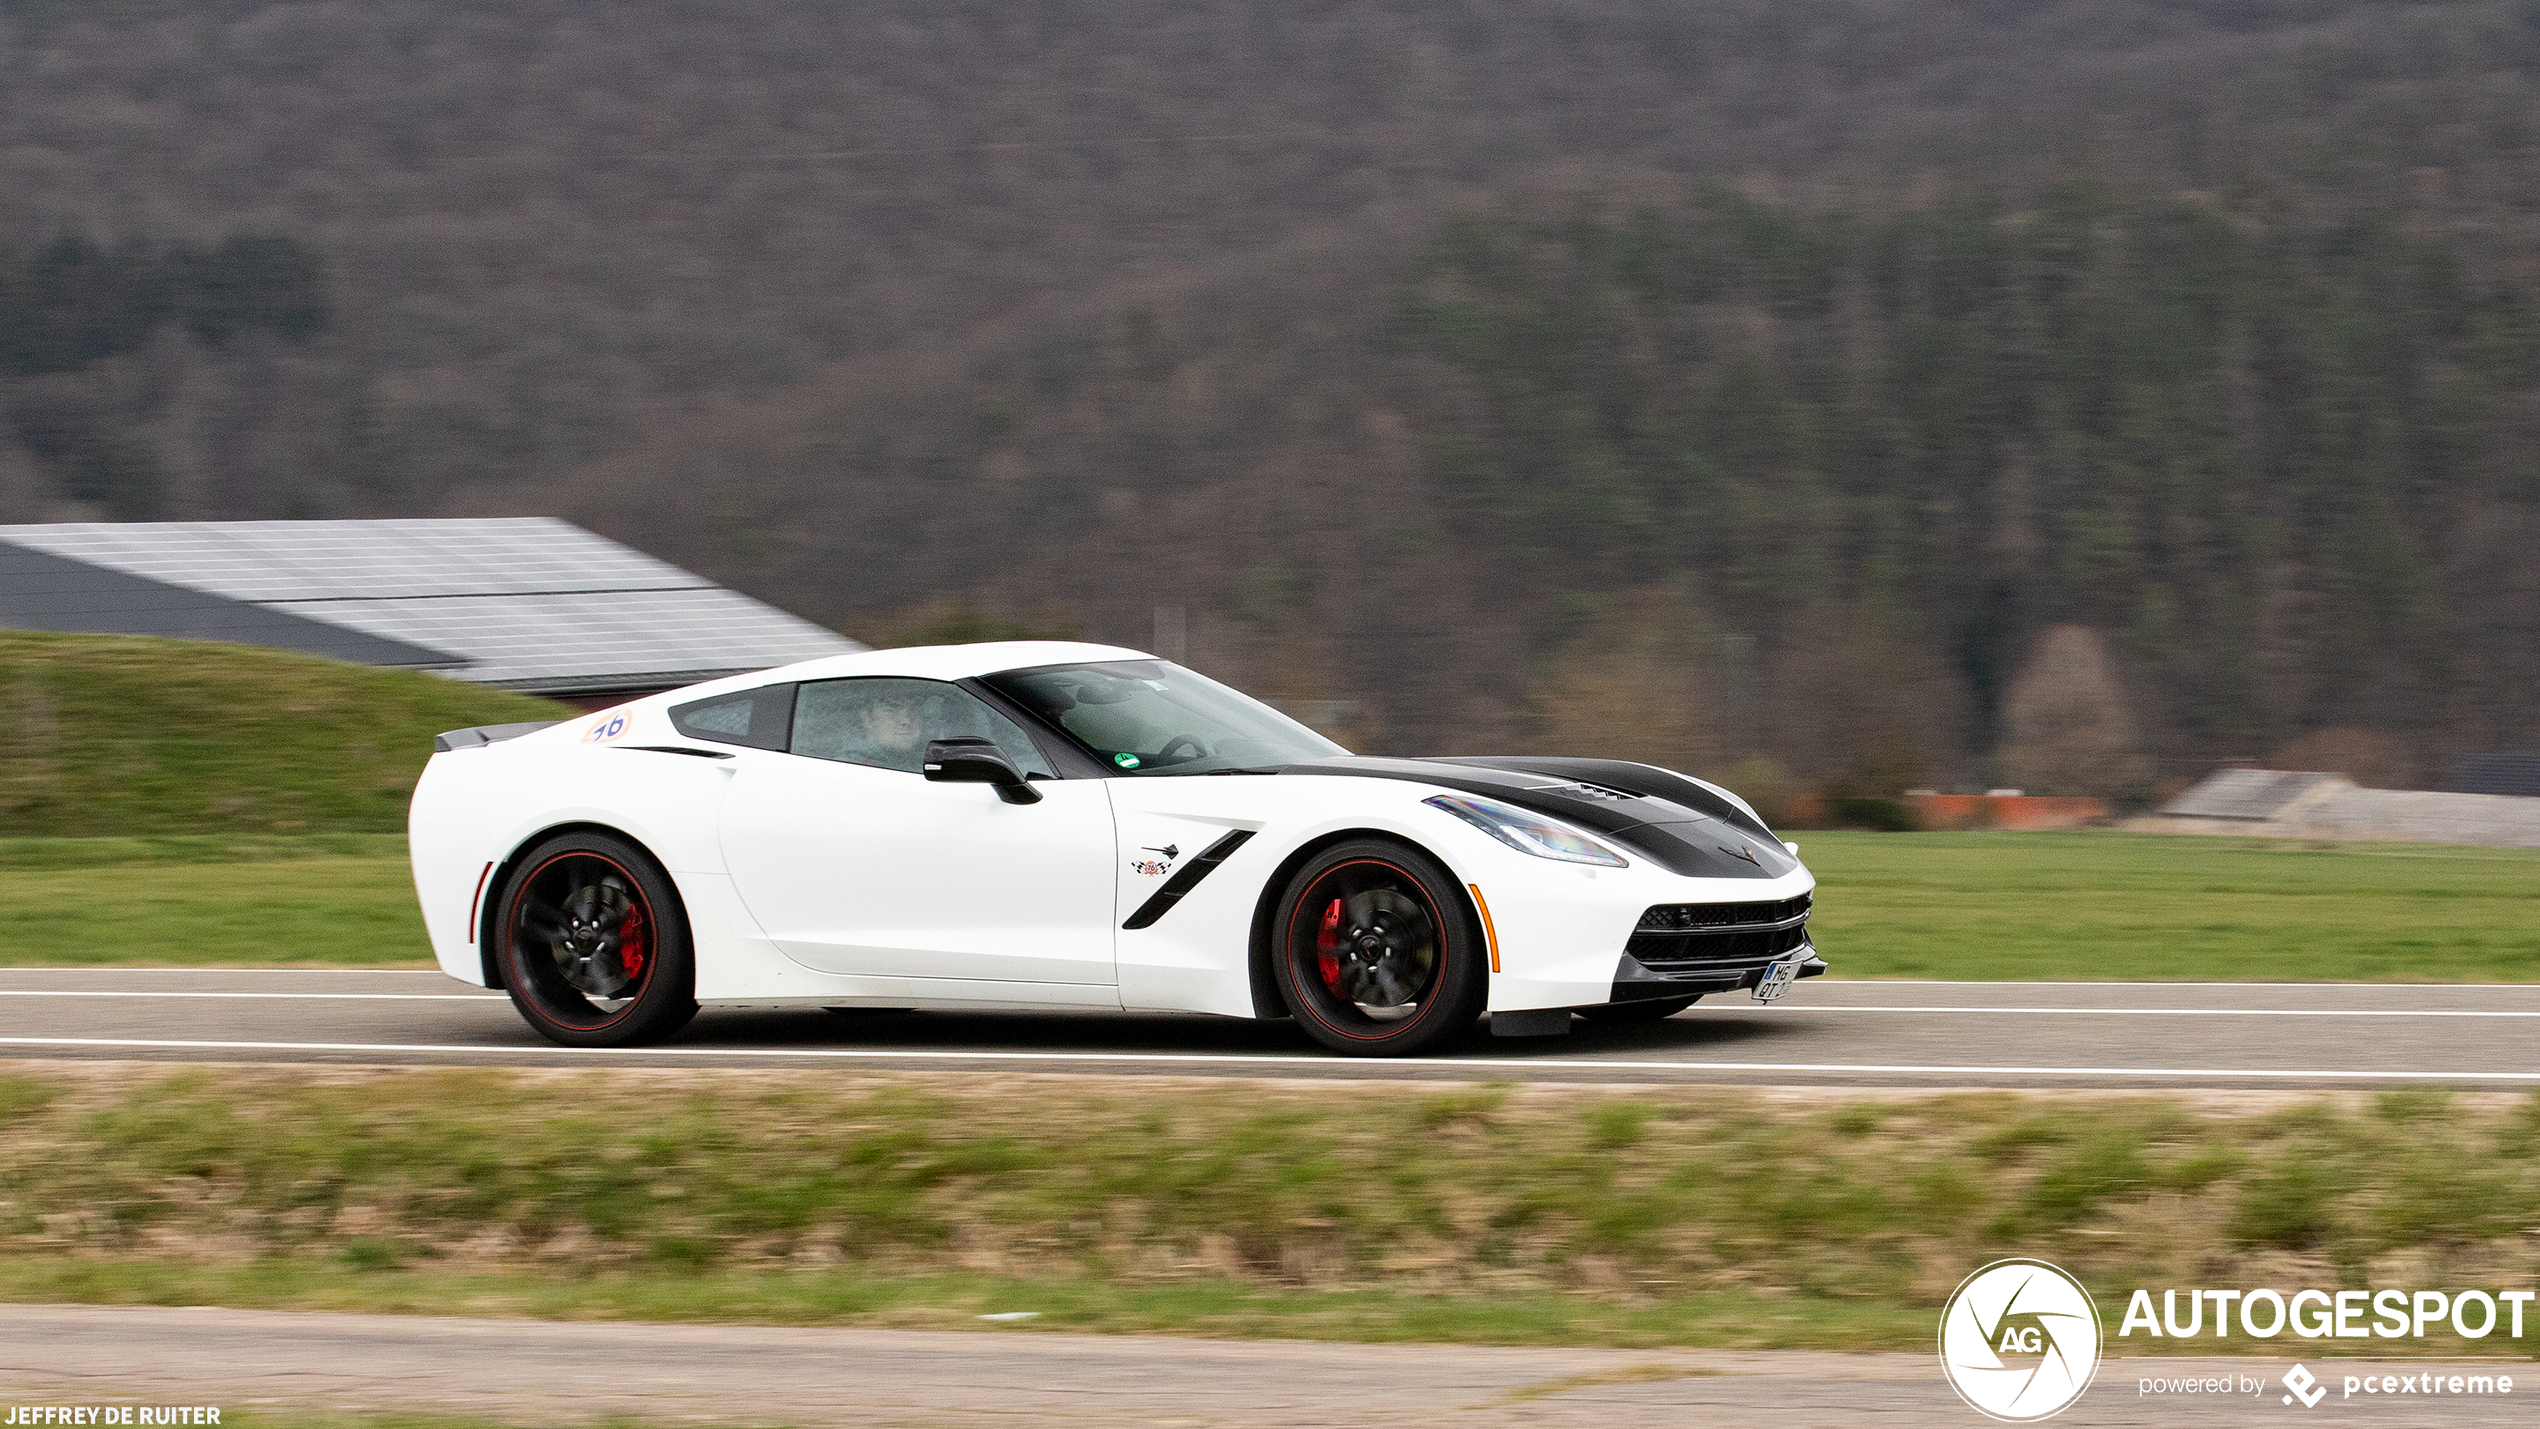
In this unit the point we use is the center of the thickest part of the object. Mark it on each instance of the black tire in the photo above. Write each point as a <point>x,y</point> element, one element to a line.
<point>593,944</point>
<point>1376,952</point>
<point>1653,1010</point>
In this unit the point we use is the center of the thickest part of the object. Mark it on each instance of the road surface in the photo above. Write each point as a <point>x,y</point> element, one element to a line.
<point>1912,1034</point>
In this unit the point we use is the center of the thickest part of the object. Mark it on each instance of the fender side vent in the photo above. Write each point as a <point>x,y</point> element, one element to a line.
<point>1186,878</point>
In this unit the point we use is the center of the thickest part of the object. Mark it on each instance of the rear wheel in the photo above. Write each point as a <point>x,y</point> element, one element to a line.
<point>593,946</point>
<point>1650,1011</point>
<point>1377,953</point>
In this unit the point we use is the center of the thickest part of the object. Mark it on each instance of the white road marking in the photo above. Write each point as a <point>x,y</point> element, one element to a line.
<point>2143,1011</point>
<point>1827,984</point>
<point>1242,1058</point>
<point>1782,1010</point>
<point>353,996</point>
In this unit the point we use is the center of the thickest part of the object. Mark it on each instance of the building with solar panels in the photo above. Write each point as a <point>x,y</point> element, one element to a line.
<point>531,603</point>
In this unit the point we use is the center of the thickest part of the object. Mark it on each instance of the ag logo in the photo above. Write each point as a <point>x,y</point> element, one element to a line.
<point>2020,1340</point>
<point>609,726</point>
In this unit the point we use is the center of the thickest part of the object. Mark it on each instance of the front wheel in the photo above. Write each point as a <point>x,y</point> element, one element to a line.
<point>1378,954</point>
<point>593,945</point>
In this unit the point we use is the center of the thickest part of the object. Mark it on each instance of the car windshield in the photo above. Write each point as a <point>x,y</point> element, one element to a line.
<point>1154,717</point>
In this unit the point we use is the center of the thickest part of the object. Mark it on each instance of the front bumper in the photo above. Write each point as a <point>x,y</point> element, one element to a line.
<point>1635,981</point>
<point>1565,932</point>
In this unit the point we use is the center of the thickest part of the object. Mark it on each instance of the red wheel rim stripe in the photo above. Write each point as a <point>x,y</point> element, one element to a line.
<point>511,920</point>
<point>1437,979</point>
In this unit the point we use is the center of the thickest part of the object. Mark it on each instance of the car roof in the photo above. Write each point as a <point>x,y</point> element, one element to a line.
<point>929,662</point>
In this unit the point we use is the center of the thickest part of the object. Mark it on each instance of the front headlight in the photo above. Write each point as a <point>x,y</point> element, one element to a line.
<point>1526,833</point>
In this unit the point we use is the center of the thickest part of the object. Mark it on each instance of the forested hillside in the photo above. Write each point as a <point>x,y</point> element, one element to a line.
<point>2288,464</point>
<point>1887,390</point>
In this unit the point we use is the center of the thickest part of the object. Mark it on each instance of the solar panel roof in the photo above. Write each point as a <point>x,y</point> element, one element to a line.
<point>588,636</point>
<point>532,603</point>
<point>41,591</point>
<point>361,560</point>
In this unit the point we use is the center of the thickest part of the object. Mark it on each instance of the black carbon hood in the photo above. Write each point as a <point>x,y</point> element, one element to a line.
<point>1664,817</point>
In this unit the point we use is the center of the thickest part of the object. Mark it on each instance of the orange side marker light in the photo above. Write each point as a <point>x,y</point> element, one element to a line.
<point>1489,929</point>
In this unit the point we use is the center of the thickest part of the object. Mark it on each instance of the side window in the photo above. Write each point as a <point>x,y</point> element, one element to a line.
<point>760,719</point>
<point>887,722</point>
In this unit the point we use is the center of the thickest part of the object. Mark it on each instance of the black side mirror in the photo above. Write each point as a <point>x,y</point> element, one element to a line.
<point>972,760</point>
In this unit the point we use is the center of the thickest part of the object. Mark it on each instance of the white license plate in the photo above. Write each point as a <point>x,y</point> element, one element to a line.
<point>1777,979</point>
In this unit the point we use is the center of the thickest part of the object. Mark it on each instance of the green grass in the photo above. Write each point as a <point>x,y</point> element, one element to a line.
<point>125,735</point>
<point>342,901</point>
<point>23,854</point>
<point>2055,907</point>
<point>1202,1306</point>
<point>2105,905</point>
<point>1693,1216</point>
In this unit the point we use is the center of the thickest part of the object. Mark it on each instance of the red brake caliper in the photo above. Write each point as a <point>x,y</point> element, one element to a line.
<point>1327,946</point>
<point>630,942</point>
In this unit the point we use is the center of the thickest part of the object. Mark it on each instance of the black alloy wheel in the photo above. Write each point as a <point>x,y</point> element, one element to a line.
<point>594,946</point>
<point>1378,954</point>
<point>1650,1010</point>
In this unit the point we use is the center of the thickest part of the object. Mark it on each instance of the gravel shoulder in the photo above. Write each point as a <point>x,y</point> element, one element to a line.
<point>532,1372</point>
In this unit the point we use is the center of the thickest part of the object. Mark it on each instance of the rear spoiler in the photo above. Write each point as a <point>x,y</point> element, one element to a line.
<point>485,734</point>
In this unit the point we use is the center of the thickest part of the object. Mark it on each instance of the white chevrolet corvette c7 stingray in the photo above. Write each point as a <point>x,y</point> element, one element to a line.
<point>1063,825</point>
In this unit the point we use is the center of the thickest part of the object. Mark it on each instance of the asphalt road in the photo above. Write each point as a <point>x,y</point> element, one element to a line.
<point>544,1373</point>
<point>1914,1034</point>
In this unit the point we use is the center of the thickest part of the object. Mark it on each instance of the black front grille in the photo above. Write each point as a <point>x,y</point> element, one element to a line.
<point>1688,917</point>
<point>1674,936</point>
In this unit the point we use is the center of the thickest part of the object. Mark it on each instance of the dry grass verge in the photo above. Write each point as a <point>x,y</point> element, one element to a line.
<point>1543,1214</point>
